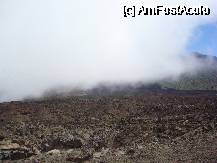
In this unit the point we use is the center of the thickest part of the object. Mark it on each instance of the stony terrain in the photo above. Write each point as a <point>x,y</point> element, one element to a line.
<point>153,127</point>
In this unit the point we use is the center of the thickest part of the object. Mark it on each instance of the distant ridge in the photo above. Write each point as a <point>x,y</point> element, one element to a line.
<point>204,80</point>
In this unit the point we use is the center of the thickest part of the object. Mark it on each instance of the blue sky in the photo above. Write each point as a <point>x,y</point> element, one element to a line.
<point>204,40</point>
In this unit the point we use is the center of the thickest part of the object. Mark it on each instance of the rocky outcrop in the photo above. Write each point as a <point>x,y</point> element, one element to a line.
<point>13,151</point>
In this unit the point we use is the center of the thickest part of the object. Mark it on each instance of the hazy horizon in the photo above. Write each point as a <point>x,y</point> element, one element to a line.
<point>51,43</point>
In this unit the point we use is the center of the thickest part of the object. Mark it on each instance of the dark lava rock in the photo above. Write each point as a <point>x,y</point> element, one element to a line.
<point>13,151</point>
<point>17,154</point>
<point>154,127</point>
<point>79,159</point>
<point>57,143</point>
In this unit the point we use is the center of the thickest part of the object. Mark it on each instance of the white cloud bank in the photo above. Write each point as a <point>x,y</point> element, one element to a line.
<point>46,43</point>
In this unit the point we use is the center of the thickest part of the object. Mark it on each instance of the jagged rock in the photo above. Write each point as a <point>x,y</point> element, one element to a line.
<point>1,137</point>
<point>147,128</point>
<point>13,151</point>
<point>7,145</point>
<point>78,156</point>
<point>59,143</point>
<point>101,153</point>
<point>54,152</point>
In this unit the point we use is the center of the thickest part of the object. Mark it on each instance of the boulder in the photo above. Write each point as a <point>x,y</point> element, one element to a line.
<point>13,151</point>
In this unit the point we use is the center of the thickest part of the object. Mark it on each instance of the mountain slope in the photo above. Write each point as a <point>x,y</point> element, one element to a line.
<point>204,79</point>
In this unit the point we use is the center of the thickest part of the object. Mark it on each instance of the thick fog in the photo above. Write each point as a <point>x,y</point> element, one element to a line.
<point>49,43</point>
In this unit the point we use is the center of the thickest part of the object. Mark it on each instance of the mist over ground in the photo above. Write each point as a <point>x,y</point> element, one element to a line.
<point>46,44</point>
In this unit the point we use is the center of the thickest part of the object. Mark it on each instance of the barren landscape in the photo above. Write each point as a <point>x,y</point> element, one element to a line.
<point>151,127</point>
<point>108,81</point>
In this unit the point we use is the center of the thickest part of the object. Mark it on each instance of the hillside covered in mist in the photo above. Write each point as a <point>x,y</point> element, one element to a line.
<point>204,79</point>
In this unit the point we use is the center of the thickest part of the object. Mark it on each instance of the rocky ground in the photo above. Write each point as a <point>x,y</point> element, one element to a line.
<point>155,127</point>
